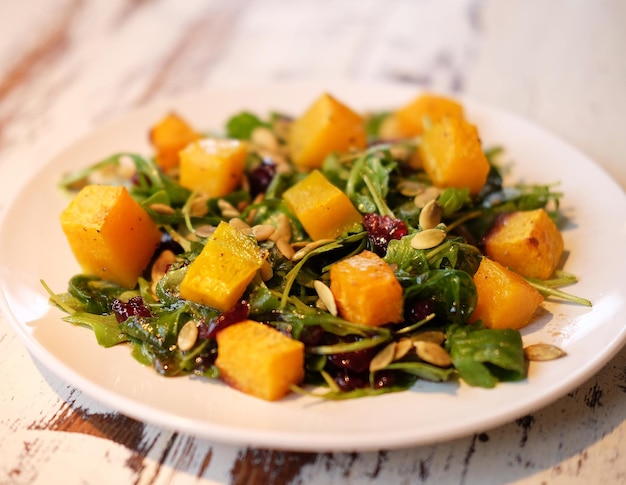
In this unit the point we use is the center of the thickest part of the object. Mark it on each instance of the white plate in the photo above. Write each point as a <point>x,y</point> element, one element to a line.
<point>32,247</point>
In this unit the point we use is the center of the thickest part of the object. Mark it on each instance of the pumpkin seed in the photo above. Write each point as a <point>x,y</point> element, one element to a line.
<point>253,212</point>
<point>227,209</point>
<point>262,232</point>
<point>543,352</point>
<point>426,195</point>
<point>160,267</point>
<point>432,353</point>
<point>403,347</point>
<point>434,336</point>
<point>410,188</point>
<point>281,164</point>
<point>285,248</point>
<point>428,238</point>
<point>239,224</point>
<point>266,271</point>
<point>430,215</point>
<point>327,297</point>
<point>283,228</point>
<point>401,152</point>
<point>161,264</point>
<point>264,138</point>
<point>187,336</point>
<point>164,209</point>
<point>205,231</point>
<point>199,206</point>
<point>383,358</point>
<point>301,253</point>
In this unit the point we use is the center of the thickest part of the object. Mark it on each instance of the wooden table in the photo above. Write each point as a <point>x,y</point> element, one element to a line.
<point>68,66</point>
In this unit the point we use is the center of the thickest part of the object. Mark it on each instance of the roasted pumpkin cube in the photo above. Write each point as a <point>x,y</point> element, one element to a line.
<point>214,166</point>
<point>169,136</point>
<point>411,119</point>
<point>324,210</point>
<point>327,126</point>
<point>528,242</point>
<point>366,290</point>
<point>259,360</point>
<point>110,234</point>
<point>452,155</point>
<point>222,271</point>
<point>505,299</point>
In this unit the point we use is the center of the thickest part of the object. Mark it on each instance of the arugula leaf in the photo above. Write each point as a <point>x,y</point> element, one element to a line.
<point>105,327</point>
<point>485,356</point>
<point>407,260</point>
<point>94,295</point>
<point>452,200</point>
<point>242,125</point>
<point>452,291</point>
<point>368,182</point>
<point>423,370</point>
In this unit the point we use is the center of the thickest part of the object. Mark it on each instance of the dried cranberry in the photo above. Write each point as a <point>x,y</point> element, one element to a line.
<point>348,380</point>
<point>384,379</point>
<point>415,311</point>
<point>357,361</point>
<point>261,177</point>
<point>381,230</point>
<point>135,307</point>
<point>208,330</point>
<point>311,335</point>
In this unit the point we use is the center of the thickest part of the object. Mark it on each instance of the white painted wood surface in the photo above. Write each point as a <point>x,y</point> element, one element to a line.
<point>67,66</point>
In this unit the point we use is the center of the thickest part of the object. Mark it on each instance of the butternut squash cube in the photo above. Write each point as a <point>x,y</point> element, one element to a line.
<point>528,242</point>
<point>327,126</point>
<point>452,155</point>
<point>259,360</point>
<point>213,166</point>
<point>505,299</point>
<point>169,136</point>
<point>366,290</point>
<point>222,271</point>
<point>110,234</point>
<point>409,120</point>
<point>324,211</point>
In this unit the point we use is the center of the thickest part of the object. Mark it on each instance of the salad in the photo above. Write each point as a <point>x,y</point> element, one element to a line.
<point>333,253</point>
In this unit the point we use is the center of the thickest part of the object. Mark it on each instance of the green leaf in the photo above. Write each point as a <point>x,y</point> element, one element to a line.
<point>452,200</point>
<point>484,356</point>
<point>407,260</point>
<point>452,292</point>
<point>423,370</point>
<point>105,327</point>
<point>368,182</point>
<point>242,125</point>
<point>93,294</point>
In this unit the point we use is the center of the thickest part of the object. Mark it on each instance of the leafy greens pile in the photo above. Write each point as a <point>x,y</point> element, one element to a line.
<point>439,294</point>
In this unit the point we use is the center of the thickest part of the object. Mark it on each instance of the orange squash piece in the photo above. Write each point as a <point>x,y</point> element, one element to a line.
<point>410,120</point>
<point>110,234</point>
<point>505,299</point>
<point>169,136</point>
<point>324,211</point>
<point>259,360</point>
<point>366,290</point>
<point>528,242</point>
<point>222,271</point>
<point>214,166</point>
<point>327,126</point>
<point>452,155</point>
